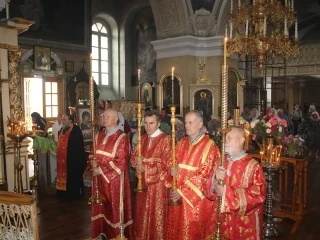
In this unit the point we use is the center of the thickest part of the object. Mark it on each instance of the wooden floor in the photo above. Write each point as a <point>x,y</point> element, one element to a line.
<point>62,220</point>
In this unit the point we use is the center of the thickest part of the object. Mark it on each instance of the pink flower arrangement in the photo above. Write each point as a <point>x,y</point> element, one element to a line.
<point>276,126</point>
<point>271,125</point>
<point>294,144</point>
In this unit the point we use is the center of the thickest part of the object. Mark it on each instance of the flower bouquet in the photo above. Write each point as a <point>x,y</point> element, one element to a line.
<point>294,145</point>
<point>274,126</point>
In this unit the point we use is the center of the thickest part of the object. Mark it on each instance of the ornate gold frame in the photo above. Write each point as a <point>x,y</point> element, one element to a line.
<point>213,88</point>
<point>212,100</point>
<point>160,92</point>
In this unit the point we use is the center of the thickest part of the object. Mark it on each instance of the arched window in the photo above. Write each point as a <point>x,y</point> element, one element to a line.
<point>101,53</point>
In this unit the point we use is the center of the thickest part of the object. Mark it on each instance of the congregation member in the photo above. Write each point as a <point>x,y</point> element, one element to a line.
<point>71,160</point>
<point>111,170</point>
<point>313,143</point>
<point>254,115</point>
<point>151,206</point>
<point>197,157</point>
<point>39,121</point>
<point>246,113</point>
<point>243,191</point>
<point>296,118</point>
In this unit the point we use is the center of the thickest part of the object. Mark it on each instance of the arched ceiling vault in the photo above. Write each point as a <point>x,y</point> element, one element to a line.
<point>181,17</point>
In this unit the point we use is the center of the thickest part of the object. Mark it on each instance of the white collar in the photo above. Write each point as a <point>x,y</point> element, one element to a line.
<point>156,133</point>
<point>112,131</point>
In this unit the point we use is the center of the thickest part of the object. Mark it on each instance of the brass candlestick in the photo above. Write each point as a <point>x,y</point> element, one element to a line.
<point>224,129</point>
<point>174,161</point>
<point>97,197</point>
<point>236,116</point>
<point>121,235</point>
<point>140,187</point>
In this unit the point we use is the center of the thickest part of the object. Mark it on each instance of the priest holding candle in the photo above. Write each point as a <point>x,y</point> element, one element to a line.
<point>243,192</point>
<point>151,205</point>
<point>197,157</point>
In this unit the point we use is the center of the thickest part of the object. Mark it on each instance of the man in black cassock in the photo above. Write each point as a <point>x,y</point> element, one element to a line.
<point>71,160</point>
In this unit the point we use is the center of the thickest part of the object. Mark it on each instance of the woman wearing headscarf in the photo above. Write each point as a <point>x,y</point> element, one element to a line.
<point>313,143</point>
<point>39,121</point>
<point>254,115</point>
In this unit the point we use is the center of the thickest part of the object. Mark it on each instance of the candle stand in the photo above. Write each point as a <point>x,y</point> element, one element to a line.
<point>17,138</point>
<point>270,161</point>
<point>269,228</point>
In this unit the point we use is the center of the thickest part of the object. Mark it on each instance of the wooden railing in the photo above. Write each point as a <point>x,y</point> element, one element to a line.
<point>293,196</point>
<point>292,184</point>
<point>18,217</point>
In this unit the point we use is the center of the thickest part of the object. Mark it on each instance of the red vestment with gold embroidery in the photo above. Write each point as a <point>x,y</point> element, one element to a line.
<point>151,206</point>
<point>113,155</point>
<point>194,218</point>
<point>62,152</point>
<point>242,200</point>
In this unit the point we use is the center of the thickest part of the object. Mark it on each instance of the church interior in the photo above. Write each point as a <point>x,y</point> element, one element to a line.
<point>158,53</point>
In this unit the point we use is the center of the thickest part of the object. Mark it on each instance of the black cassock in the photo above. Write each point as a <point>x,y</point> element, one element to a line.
<point>76,163</point>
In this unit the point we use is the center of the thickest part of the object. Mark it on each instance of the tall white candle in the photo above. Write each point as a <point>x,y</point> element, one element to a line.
<point>90,65</point>
<point>285,27</point>
<point>231,27</point>
<point>7,9</point>
<point>172,73</point>
<point>296,30</point>
<point>238,89</point>
<point>225,51</point>
<point>139,87</point>
<point>265,26</point>
<point>226,32</point>
<point>231,7</point>
<point>247,27</point>
<point>239,3</point>
<point>172,86</point>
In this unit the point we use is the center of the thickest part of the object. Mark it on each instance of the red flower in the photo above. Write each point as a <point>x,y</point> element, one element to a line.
<point>273,121</point>
<point>284,123</point>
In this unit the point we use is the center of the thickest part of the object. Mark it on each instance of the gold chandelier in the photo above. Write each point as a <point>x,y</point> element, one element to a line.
<point>259,28</point>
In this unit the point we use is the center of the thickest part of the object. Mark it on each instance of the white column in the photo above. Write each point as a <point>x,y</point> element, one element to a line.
<point>5,105</point>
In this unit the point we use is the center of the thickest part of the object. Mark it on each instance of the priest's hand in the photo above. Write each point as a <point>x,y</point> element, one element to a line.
<point>94,163</point>
<point>220,173</point>
<point>140,168</point>
<point>96,171</point>
<point>174,171</point>
<point>139,161</point>
<point>219,189</point>
<point>174,195</point>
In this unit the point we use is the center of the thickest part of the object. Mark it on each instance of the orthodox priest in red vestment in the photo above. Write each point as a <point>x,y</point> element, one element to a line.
<point>151,206</point>
<point>112,151</point>
<point>197,157</point>
<point>243,193</point>
<point>71,160</point>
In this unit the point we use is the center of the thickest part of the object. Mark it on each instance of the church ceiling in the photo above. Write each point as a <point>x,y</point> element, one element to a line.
<point>206,4</point>
<point>309,19</point>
